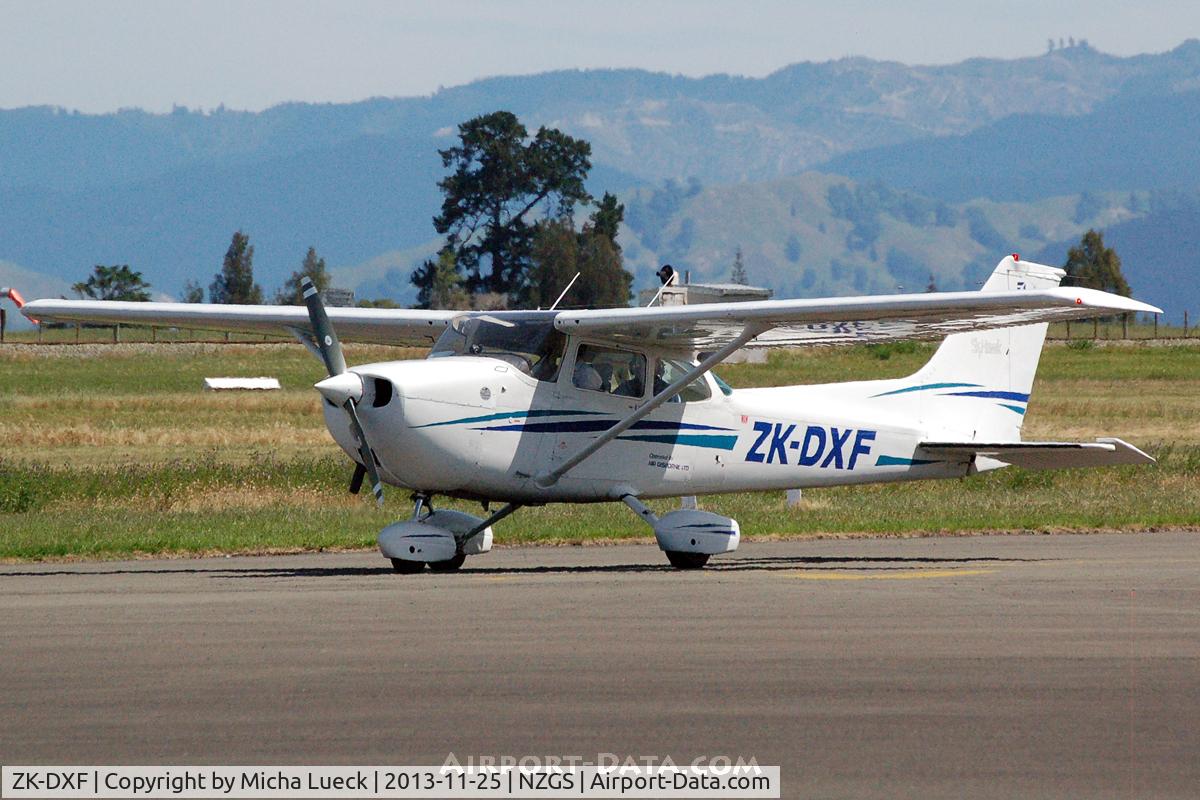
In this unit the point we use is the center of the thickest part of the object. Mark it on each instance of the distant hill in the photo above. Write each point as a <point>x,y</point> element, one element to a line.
<point>1130,142</point>
<point>352,201</point>
<point>819,234</point>
<point>719,128</point>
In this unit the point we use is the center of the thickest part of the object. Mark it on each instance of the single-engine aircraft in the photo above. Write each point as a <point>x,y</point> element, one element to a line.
<point>525,408</point>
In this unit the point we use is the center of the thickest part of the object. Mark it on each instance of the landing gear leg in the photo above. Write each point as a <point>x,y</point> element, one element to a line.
<point>420,501</point>
<point>679,559</point>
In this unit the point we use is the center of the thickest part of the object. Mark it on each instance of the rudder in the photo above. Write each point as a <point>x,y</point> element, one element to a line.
<point>985,377</point>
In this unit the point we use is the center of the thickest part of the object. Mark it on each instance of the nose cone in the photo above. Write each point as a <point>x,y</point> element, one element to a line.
<point>337,389</point>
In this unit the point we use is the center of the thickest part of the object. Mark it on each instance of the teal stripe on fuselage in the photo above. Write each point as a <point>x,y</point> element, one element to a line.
<point>926,386</point>
<point>692,440</point>
<point>508,415</point>
<point>897,461</point>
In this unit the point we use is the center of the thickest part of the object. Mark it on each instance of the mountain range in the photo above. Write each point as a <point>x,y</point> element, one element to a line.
<point>1031,149</point>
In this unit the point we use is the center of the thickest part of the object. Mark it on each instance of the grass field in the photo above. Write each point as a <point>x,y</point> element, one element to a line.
<point>111,450</point>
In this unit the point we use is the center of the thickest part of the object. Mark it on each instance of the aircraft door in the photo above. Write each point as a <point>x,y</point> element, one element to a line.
<point>603,385</point>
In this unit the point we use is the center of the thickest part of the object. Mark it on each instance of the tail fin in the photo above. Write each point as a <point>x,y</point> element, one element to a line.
<point>986,376</point>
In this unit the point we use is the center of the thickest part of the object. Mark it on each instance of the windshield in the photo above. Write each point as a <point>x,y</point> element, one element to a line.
<point>531,345</point>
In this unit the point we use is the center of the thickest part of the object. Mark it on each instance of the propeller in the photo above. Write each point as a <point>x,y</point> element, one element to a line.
<point>341,388</point>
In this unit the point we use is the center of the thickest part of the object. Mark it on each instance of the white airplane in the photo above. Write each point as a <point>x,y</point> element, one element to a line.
<point>533,407</point>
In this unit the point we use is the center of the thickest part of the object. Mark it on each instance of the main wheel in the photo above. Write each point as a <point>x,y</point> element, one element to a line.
<point>449,565</point>
<point>405,567</point>
<point>682,560</point>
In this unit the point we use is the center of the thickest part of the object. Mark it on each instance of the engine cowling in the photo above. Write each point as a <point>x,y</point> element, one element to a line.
<point>694,531</point>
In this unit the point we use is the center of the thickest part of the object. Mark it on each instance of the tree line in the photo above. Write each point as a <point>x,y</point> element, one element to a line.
<point>234,283</point>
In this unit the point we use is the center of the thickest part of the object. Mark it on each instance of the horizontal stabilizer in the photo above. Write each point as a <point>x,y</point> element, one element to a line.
<point>1104,452</point>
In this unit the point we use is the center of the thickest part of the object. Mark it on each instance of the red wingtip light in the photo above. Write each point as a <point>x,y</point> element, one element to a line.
<point>1078,301</point>
<point>1016,256</point>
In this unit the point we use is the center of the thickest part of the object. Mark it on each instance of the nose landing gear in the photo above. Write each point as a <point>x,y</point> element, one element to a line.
<point>440,538</point>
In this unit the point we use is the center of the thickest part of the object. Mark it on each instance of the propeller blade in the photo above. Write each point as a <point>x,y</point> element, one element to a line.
<point>341,387</point>
<point>365,454</point>
<point>360,472</point>
<point>327,341</point>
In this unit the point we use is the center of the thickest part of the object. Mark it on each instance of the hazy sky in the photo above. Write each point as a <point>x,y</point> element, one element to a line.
<point>99,56</point>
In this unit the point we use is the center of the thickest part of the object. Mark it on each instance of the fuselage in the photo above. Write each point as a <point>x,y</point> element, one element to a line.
<point>483,427</point>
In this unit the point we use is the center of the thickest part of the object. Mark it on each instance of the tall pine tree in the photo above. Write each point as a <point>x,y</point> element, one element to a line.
<point>1095,266</point>
<point>235,282</point>
<point>313,267</point>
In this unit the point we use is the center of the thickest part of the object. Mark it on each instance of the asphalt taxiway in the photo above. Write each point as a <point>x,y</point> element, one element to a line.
<point>1003,666</point>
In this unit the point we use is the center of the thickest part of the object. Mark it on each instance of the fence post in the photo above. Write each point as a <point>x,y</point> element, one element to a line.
<point>116,333</point>
<point>3,322</point>
<point>1185,321</point>
<point>1156,326</point>
<point>153,334</point>
<point>1068,330</point>
<point>1124,326</point>
<point>78,325</point>
<point>1095,328</point>
<point>39,333</point>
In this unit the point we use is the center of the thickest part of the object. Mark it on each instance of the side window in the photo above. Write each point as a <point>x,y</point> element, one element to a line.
<point>667,372</point>
<point>603,369</point>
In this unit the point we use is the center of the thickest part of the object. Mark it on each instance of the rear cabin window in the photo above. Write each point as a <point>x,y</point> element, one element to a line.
<point>609,370</point>
<point>667,372</point>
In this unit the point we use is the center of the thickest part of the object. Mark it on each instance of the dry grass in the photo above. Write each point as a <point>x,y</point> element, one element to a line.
<point>94,438</point>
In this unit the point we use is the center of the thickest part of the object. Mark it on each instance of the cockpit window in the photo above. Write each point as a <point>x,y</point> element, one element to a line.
<point>533,346</point>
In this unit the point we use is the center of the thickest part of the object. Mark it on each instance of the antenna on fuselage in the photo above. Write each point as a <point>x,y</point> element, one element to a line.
<point>564,291</point>
<point>667,275</point>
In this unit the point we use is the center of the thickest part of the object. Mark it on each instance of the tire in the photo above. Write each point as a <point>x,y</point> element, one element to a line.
<point>682,560</point>
<point>449,565</point>
<point>405,567</point>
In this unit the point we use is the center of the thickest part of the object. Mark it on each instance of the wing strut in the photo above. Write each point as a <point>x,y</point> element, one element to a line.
<point>549,478</point>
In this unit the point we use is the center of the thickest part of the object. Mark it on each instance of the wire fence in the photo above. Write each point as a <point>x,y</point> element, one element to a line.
<point>1118,329</point>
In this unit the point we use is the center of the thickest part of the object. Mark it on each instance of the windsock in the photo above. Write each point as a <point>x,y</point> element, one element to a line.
<point>14,294</point>
<point>8,291</point>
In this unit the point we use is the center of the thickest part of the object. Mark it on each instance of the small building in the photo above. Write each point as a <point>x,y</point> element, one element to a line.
<point>687,294</point>
<point>338,297</point>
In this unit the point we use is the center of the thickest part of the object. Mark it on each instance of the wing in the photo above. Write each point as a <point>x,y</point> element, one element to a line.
<point>378,325</point>
<point>1042,455</point>
<point>841,320</point>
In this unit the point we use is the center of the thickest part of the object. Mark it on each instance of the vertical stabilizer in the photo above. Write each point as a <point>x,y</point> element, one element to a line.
<point>983,378</point>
